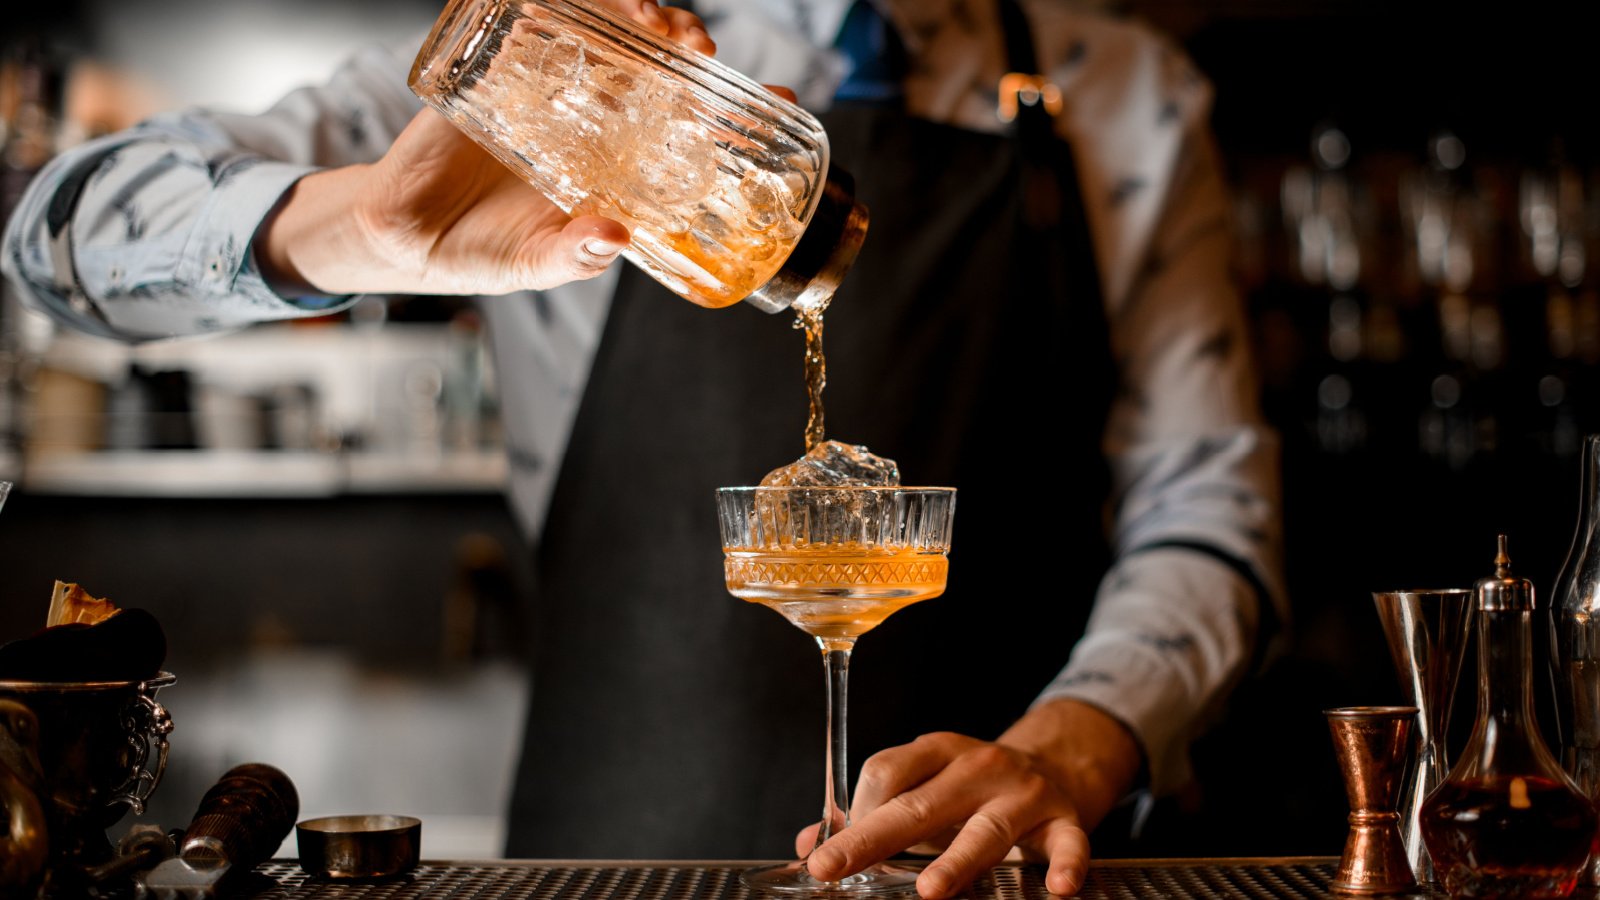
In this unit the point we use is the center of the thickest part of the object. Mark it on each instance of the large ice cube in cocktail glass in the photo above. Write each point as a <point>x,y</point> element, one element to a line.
<point>835,464</point>
<point>725,186</point>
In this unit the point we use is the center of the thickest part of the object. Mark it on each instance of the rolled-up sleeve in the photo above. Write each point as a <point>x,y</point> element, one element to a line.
<point>147,233</point>
<point>1196,593</point>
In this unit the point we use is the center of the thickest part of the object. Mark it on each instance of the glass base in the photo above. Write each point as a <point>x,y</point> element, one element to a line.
<point>792,878</point>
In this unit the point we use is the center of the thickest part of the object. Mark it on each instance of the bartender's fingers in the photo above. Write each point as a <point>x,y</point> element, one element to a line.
<point>645,12</point>
<point>1066,847</point>
<point>889,773</point>
<point>983,841</point>
<point>687,28</point>
<point>675,24</point>
<point>806,839</point>
<point>910,817</point>
<point>786,93</point>
<point>582,249</point>
<point>1032,818</point>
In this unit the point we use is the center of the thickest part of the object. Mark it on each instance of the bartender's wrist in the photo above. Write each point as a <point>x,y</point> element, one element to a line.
<point>1085,750</point>
<point>314,241</point>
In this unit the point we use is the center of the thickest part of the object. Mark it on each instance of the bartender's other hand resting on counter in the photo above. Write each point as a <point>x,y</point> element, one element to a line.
<point>1033,794</point>
<point>439,215</point>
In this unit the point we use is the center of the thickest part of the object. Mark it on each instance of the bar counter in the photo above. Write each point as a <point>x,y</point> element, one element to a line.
<point>1180,879</point>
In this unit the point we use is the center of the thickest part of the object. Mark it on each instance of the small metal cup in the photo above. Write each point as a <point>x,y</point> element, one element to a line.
<point>359,847</point>
<point>1371,743</point>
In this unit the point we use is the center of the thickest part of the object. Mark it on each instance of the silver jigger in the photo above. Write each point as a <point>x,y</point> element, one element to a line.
<point>1427,634</point>
<point>1371,743</point>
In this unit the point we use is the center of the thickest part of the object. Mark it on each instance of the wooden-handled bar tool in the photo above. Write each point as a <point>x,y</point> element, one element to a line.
<point>240,822</point>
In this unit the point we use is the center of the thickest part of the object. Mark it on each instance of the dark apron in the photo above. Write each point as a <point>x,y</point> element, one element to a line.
<point>670,720</point>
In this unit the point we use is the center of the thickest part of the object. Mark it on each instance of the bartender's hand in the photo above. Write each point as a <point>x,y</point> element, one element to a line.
<point>1033,794</point>
<point>439,215</point>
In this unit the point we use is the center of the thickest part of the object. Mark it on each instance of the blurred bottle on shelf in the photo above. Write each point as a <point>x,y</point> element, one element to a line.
<point>30,106</point>
<point>1553,216</point>
<point>1449,225</point>
<point>30,82</point>
<point>1323,213</point>
<point>1320,209</point>
<point>1437,309</point>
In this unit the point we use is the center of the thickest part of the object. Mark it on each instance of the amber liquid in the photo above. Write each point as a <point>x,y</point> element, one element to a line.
<point>810,321</point>
<point>1508,837</point>
<point>709,274</point>
<point>834,591</point>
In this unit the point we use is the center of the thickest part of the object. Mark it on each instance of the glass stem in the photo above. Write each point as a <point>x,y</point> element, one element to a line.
<point>836,792</point>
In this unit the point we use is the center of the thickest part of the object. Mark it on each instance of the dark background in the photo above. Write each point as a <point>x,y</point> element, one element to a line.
<point>1512,84</point>
<point>1516,84</point>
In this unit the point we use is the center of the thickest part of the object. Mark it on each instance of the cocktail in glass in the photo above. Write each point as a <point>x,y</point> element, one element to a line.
<point>835,562</point>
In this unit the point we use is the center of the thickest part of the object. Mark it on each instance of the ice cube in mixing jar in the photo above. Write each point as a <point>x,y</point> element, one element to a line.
<point>725,186</point>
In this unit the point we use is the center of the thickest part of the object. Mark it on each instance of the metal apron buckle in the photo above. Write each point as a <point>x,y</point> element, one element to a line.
<point>1030,90</point>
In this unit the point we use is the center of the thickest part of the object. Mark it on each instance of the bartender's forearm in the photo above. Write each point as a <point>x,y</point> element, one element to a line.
<point>1089,754</point>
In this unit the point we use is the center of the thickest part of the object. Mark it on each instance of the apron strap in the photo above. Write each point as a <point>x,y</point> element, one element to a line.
<point>1019,37</point>
<point>1033,123</point>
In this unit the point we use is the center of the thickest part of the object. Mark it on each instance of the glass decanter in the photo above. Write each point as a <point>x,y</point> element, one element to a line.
<point>1575,634</point>
<point>1507,822</point>
<point>725,186</point>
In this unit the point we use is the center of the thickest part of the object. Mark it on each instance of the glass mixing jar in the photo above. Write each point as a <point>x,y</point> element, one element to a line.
<point>725,186</point>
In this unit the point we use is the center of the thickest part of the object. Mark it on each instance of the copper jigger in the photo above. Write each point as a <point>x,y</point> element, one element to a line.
<point>1371,743</point>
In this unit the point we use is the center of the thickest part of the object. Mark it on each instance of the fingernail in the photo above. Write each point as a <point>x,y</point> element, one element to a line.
<point>601,248</point>
<point>652,11</point>
<point>825,859</point>
<point>935,882</point>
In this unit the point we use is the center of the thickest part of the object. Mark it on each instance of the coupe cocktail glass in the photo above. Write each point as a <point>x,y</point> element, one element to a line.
<point>835,561</point>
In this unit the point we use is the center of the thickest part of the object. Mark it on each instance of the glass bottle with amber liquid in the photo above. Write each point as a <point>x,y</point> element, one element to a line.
<point>1507,822</point>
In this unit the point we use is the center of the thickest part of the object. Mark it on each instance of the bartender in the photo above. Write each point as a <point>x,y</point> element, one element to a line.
<point>1040,317</point>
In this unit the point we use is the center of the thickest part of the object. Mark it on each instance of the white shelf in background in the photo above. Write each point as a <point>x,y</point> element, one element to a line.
<point>212,473</point>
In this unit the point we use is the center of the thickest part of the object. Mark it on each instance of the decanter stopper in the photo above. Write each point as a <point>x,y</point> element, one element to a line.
<point>1503,592</point>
